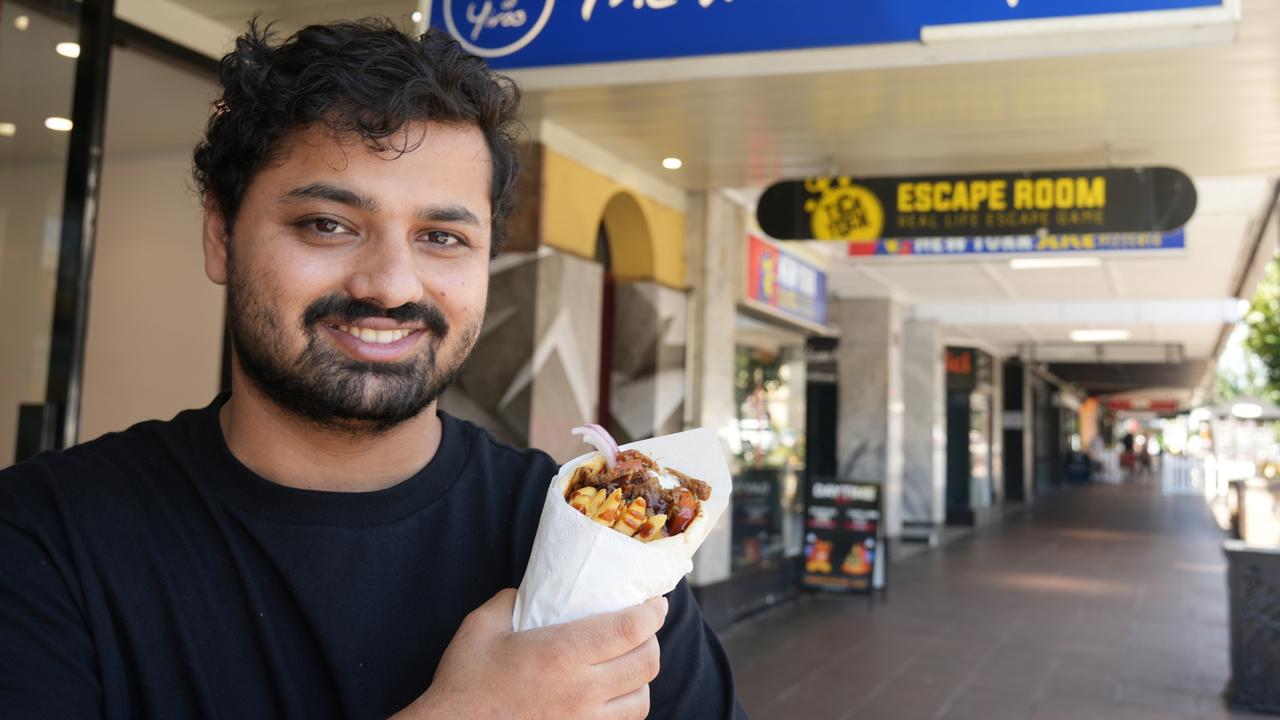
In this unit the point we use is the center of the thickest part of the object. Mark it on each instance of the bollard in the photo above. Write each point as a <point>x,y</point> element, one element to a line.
<point>1253,586</point>
<point>1236,493</point>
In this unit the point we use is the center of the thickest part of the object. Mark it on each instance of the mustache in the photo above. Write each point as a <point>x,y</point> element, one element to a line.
<point>350,310</point>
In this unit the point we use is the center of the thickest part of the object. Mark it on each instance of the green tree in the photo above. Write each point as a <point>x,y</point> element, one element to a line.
<point>1260,373</point>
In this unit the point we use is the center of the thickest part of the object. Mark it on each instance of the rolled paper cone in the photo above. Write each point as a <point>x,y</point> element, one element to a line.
<point>579,567</point>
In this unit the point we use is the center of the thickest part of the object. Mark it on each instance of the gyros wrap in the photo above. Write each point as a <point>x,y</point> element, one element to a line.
<point>581,567</point>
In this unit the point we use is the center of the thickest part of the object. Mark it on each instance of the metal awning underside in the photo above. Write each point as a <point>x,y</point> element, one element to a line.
<point>1107,378</point>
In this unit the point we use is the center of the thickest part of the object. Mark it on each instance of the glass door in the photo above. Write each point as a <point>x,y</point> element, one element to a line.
<point>38,54</point>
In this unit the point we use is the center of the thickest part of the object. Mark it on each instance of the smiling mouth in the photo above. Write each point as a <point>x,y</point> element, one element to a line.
<point>376,337</point>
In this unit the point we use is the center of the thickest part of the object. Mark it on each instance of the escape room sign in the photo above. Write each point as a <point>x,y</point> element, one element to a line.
<point>1077,202</point>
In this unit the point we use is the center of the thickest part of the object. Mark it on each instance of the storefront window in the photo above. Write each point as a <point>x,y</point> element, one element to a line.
<point>980,450</point>
<point>37,79</point>
<point>768,454</point>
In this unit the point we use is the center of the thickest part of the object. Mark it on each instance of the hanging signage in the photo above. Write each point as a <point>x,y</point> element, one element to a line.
<point>785,283</point>
<point>1077,202</point>
<point>1021,245</point>
<point>543,33</point>
<point>967,368</point>
<point>1143,404</point>
<point>842,548</point>
<point>960,364</point>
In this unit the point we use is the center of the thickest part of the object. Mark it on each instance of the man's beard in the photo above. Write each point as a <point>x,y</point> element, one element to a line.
<point>324,385</point>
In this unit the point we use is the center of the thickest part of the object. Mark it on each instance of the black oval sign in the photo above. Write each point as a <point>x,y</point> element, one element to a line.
<point>1111,200</point>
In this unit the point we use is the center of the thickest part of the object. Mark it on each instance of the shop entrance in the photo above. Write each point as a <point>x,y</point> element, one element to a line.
<point>970,463</point>
<point>146,344</point>
<point>768,464</point>
<point>155,325</point>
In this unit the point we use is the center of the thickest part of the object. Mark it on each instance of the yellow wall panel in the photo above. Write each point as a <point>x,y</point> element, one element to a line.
<point>646,237</point>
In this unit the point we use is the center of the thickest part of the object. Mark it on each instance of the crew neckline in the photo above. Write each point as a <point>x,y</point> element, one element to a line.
<point>272,501</point>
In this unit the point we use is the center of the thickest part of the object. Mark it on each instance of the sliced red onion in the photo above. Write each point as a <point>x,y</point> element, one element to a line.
<point>600,438</point>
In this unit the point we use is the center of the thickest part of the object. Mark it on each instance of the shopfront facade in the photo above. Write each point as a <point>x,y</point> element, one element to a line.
<point>626,297</point>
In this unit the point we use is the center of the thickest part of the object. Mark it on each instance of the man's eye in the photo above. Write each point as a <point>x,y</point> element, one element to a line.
<point>327,226</point>
<point>440,237</point>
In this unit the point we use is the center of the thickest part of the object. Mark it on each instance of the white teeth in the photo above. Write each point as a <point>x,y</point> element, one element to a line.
<point>376,337</point>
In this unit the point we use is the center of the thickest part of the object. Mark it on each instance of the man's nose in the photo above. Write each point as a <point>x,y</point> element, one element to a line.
<point>385,273</point>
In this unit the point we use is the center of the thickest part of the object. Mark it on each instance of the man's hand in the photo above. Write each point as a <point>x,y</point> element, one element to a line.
<point>597,667</point>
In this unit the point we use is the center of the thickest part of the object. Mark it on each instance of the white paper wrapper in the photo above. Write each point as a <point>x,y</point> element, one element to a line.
<point>579,567</point>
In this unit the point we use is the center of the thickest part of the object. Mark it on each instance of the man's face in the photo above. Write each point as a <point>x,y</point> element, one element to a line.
<point>357,279</point>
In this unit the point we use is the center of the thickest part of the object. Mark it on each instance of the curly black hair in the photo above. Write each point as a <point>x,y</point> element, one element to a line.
<point>364,77</point>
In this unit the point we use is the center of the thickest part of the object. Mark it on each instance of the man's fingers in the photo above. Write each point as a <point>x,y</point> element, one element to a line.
<point>625,674</point>
<point>632,706</point>
<point>602,638</point>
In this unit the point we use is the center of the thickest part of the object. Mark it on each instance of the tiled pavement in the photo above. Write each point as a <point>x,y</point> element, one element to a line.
<point>1100,602</point>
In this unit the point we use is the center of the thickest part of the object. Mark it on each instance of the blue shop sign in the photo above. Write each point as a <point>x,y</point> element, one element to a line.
<point>543,33</point>
<point>784,282</point>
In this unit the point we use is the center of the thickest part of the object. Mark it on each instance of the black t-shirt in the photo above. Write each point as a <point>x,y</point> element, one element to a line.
<point>150,574</point>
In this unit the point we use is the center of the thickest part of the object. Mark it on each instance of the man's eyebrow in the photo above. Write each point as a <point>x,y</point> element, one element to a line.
<point>333,193</point>
<point>448,213</point>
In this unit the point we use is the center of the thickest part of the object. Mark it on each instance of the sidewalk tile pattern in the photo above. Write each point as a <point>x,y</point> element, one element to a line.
<point>1098,603</point>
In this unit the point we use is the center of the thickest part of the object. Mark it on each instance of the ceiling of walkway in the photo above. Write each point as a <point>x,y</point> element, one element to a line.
<point>1209,111</point>
<point>1213,112</point>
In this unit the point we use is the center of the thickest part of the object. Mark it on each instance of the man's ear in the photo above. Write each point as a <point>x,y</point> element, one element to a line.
<point>216,243</point>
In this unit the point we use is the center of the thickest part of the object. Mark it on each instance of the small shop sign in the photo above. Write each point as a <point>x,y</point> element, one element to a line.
<point>783,283</point>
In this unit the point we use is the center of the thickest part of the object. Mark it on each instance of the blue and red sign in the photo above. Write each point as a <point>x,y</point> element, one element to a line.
<point>785,283</point>
<point>544,33</point>
<point>1032,245</point>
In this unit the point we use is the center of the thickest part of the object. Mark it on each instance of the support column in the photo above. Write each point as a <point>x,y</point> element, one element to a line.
<point>714,241</point>
<point>1031,426</point>
<point>924,440</point>
<point>871,401</point>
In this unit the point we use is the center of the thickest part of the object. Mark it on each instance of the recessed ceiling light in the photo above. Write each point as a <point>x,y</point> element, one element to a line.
<point>672,163</point>
<point>22,22</point>
<point>68,49</point>
<point>58,123</point>
<point>1053,263</point>
<point>1093,336</point>
<point>8,129</point>
<point>416,16</point>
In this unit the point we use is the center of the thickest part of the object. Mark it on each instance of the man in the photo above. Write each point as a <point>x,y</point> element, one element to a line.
<point>321,542</point>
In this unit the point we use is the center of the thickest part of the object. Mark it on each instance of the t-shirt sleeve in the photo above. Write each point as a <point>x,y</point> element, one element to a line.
<point>695,680</point>
<point>47,666</point>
